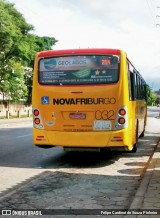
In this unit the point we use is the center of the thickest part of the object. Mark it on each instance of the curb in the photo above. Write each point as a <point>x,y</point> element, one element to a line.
<point>137,202</point>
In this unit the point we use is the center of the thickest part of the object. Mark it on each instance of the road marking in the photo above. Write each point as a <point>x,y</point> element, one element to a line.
<point>21,136</point>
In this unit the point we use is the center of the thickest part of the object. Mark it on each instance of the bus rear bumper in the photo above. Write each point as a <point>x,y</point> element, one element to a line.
<point>103,139</point>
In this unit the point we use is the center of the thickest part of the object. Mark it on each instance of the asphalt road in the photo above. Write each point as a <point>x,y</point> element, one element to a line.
<point>119,172</point>
<point>17,149</point>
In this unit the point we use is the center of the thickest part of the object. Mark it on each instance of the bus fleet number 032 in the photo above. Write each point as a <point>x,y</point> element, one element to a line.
<point>104,115</point>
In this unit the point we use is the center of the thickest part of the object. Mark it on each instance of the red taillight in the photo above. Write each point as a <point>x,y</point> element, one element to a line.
<point>36,112</point>
<point>121,120</point>
<point>37,121</point>
<point>122,112</point>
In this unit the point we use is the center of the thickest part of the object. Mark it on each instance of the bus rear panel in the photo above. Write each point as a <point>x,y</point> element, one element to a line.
<point>81,99</point>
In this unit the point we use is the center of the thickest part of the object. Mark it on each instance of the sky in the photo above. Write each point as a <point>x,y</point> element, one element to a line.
<point>131,25</point>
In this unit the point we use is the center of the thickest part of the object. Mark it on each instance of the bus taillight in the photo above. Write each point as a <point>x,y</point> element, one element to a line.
<point>37,121</point>
<point>36,112</point>
<point>121,120</point>
<point>122,112</point>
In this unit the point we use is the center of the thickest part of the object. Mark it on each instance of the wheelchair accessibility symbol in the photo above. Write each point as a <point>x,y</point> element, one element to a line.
<point>45,100</point>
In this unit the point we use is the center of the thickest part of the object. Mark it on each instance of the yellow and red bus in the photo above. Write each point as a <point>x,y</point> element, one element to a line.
<point>87,99</point>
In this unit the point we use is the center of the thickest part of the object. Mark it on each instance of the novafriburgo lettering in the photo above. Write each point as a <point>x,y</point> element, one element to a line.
<point>71,101</point>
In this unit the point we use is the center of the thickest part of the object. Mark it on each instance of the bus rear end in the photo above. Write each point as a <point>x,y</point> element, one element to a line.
<point>78,100</point>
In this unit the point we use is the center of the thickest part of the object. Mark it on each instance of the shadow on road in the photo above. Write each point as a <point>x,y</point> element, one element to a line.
<point>19,152</point>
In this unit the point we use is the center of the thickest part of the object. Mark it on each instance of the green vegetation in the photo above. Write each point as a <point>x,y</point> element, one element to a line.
<point>152,98</point>
<point>18,46</point>
<point>14,117</point>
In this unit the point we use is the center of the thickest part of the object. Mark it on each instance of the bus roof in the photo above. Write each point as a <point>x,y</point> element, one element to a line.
<point>79,51</point>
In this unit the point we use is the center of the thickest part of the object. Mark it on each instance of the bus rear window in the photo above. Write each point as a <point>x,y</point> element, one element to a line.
<point>79,70</point>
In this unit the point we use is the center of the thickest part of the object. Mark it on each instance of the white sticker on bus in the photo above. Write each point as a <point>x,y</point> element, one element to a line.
<point>102,125</point>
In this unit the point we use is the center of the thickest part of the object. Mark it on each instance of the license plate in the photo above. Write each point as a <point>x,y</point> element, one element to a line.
<point>102,125</point>
<point>77,116</point>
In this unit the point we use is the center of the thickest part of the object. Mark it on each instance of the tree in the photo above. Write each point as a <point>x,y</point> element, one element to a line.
<point>17,51</point>
<point>12,86</point>
<point>12,28</point>
<point>157,100</point>
<point>151,97</point>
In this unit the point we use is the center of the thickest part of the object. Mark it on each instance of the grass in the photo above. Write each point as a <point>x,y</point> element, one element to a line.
<point>13,117</point>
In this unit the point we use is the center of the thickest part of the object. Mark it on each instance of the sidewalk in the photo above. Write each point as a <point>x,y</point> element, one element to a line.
<point>148,194</point>
<point>15,120</point>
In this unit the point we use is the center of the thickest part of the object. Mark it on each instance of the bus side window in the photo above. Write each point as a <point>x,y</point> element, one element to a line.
<point>141,94</point>
<point>137,86</point>
<point>133,86</point>
<point>141,89</point>
<point>147,92</point>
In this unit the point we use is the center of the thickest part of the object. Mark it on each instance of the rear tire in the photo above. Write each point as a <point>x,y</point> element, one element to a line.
<point>142,134</point>
<point>135,146</point>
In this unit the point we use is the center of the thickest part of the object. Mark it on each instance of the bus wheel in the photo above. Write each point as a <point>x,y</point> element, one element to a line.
<point>142,134</point>
<point>44,146</point>
<point>134,150</point>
